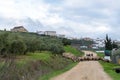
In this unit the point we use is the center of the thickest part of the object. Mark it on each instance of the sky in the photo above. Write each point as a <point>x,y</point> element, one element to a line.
<point>74,18</point>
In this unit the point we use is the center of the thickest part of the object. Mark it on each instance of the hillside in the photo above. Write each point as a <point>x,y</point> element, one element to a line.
<point>28,56</point>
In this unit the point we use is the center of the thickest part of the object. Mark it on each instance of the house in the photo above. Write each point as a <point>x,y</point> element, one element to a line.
<point>19,29</point>
<point>47,33</point>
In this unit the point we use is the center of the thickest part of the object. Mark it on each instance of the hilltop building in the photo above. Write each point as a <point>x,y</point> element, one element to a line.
<point>47,33</point>
<point>50,33</point>
<point>19,29</point>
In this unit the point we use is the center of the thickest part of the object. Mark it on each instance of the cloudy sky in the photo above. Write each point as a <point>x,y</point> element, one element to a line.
<point>75,18</point>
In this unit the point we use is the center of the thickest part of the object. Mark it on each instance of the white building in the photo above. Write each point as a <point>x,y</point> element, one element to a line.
<point>99,43</point>
<point>50,33</point>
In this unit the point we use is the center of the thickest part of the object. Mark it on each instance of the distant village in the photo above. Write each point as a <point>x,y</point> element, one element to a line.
<point>48,33</point>
<point>98,43</point>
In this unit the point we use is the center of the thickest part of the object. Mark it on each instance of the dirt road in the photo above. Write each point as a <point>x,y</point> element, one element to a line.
<point>86,70</point>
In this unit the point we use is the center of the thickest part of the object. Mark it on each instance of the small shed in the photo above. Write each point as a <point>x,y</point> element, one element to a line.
<point>115,56</point>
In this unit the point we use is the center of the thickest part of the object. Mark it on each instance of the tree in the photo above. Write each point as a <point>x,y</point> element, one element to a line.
<point>33,44</point>
<point>114,45</point>
<point>43,47</point>
<point>108,43</point>
<point>17,47</point>
<point>4,44</point>
<point>66,41</point>
<point>56,49</point>
<point>21,43</point>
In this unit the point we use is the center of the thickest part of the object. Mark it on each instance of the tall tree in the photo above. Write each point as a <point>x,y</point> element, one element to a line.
<point>108,43</point>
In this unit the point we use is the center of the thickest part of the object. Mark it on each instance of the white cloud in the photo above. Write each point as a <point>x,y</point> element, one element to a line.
<point>71,17</point>
<point>18,9</point>
<point>53,19</point>
<point>102,29</point>
<point>77,3</point>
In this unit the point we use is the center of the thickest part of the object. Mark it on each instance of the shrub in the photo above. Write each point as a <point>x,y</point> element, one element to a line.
<point>66,41</point>
<point>18,47</point>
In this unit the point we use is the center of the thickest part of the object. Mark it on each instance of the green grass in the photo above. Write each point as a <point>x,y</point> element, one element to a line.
<point>40,56</point>
<point>1,64</point>
<point>100,54</point>
<point>58,72</point>
<point>108,68</point>
<point>44,56</point>
<point>49,65</point>
<point>73,51</point>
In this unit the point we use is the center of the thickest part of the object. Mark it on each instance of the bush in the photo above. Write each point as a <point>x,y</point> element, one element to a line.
<point>4,44</point>
<point>17,47</point>
<point>56,49</point>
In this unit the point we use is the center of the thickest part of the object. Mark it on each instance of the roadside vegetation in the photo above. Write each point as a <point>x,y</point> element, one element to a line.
<point>73,51</point>
<point>29,56</point>
<point>108,68</point>
<point>32,66</point>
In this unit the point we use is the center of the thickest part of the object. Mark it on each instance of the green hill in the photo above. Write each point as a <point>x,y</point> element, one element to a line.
<point>31,56</point>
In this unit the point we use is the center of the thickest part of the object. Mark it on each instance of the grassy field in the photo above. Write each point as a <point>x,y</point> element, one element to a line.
<point>45,56</point>
<point>73,51</point>
<point>24,59</point>
<point>108,67</point>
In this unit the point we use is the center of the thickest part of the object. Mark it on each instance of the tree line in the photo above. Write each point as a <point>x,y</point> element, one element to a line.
<point>22,43</point>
